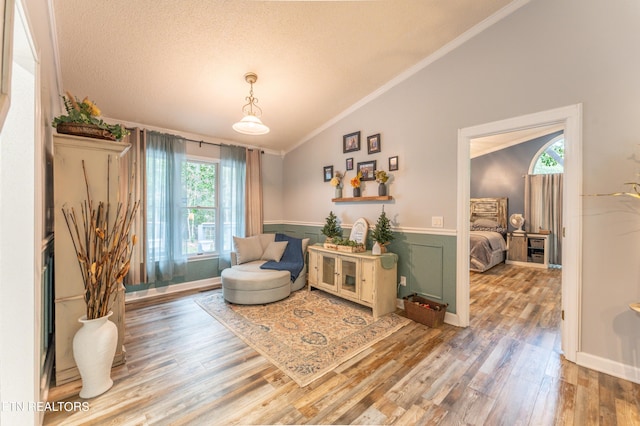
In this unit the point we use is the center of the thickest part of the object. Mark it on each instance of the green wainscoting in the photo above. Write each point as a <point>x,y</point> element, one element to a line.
<point>197,270</point>
<point>427,261</point>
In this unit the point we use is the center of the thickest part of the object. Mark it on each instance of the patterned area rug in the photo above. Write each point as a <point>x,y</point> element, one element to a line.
<point>306,335</point>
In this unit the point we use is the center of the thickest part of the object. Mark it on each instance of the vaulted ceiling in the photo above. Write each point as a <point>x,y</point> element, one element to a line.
<point>180,64</point>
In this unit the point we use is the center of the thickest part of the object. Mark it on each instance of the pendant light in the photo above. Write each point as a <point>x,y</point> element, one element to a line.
<point>250,123</point>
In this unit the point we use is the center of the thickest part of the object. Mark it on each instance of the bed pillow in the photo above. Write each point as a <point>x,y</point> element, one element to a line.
<point>247,249</point>
<point>275,250</point>
<point>475,226</point>
<point>486,223</point>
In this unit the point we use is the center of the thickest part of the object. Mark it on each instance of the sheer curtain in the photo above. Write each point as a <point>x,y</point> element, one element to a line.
<point>165,207</point>
<point>232,196</point>
<point>254,215</point>
<point>131,185</point>
<point>543,209</point>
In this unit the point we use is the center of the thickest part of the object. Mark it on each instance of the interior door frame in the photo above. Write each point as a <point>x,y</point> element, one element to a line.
<point>570,117</point>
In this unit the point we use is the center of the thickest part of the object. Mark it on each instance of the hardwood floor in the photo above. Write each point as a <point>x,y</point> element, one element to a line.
<point>184,367</point>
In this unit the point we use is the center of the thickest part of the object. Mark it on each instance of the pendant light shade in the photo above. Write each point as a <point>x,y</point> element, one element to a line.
<point>250,123</point>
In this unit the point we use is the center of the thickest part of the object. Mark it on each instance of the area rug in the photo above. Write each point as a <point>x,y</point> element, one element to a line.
<point>306,335</point>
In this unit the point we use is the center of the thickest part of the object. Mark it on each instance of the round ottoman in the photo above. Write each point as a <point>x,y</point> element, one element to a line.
<point>255,288</point>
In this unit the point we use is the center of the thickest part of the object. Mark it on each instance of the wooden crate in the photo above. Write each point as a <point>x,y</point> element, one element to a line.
<point>433,316</point>
<point>351,249</point>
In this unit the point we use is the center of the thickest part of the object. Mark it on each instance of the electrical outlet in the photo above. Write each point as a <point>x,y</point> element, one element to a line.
<point>403,280</point>
<point>437,221</point>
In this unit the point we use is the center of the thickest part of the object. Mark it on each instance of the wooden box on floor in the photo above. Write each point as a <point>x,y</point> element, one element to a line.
<point>431,317</point>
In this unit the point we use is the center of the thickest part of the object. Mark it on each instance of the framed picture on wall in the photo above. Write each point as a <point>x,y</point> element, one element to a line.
<point>393,163</point>
<point>349,164</point>
<point>367,168</point>
<point>351,142</point>
<point>373,144</point>
<point>327,172</point>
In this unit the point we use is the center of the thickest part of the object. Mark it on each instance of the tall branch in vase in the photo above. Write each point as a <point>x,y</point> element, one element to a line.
<point>103,247</point>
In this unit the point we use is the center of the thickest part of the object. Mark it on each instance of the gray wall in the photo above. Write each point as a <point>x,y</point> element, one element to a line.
<point>501,173</point>
<point>548,54</point>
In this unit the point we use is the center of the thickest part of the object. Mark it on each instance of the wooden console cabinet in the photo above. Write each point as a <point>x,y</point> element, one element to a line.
<point>70,191</point>
<point>527,249</point>
<point>359,277</point>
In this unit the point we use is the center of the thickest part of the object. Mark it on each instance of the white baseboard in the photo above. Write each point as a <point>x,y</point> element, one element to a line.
<point>452,319</point>
<point>607,366</point>
<point>174,288</point>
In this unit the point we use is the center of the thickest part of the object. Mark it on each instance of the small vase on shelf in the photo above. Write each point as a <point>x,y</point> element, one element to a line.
<point>382,189</point>
<point>338,193</point>
<point>356,192</point>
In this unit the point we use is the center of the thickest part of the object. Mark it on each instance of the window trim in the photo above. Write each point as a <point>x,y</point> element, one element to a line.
<point>208,160</point>
<point>542,149</point>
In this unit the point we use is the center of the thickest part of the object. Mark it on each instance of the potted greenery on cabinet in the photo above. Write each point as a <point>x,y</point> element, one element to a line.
<point>331,228</point>
<point>381,234</point>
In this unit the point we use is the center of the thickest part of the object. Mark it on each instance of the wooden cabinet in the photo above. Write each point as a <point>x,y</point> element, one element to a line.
<point>359,277</point>
<point>102,159</point>
<point>528,249</point>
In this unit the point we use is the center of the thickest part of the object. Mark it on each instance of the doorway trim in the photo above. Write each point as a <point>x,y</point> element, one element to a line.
<point>571,119</point>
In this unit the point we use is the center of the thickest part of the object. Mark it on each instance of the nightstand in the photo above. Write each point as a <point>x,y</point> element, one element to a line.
<point>528,249</point>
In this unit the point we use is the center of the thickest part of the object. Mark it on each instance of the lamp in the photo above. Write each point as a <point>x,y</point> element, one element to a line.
<point>250,123</point>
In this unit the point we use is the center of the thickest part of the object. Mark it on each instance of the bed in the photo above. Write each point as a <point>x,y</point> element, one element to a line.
<point>487,233</point>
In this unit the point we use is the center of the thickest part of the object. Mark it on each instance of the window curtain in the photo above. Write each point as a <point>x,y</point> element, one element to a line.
<point>232,197</point>
<point>132,185</point>
<point>543,209</point>
<point>254,214</point>
<point>165,209</point>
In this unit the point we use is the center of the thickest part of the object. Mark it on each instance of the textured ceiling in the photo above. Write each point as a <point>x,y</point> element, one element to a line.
<point>180,64</point>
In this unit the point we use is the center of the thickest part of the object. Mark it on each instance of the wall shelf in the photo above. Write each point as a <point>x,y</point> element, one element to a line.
<point>359,199</point>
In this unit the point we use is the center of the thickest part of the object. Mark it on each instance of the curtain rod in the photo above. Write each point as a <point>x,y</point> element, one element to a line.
<point>200,142</point>
<point>218,144</point>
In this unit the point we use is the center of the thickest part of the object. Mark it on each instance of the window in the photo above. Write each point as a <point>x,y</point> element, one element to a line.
<point>550,159</point>
<point>201,236</point>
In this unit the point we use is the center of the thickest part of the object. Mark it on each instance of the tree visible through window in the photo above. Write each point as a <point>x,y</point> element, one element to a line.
<point>201,215</point>
<point>551,160</point>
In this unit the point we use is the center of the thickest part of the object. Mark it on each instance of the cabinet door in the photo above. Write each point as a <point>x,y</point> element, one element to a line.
<point>327,272</point>
<point>518,247</point>
<point>348,274</point>
<point>367,268</point>
<point>313,267</point>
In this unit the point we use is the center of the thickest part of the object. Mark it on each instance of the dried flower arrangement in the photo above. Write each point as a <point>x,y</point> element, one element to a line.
<point>355,181</point>
<point>336,180</point>
<point>381,176</point>
<point>86,113</point>
<point>103,248</point>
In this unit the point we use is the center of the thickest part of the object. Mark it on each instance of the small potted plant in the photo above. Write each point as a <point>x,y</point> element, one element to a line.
<point>355,183</point>
<point>381,234</point>
<point>331,229</point>
<point>381,177</point>
<point>82,119</point>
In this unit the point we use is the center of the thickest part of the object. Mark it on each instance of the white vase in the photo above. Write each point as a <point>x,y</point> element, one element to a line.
<point>94,347</point>
<point>376,249</point>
